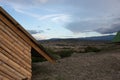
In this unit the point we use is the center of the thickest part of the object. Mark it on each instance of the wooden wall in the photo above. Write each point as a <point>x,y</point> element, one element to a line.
<point>15,54</point>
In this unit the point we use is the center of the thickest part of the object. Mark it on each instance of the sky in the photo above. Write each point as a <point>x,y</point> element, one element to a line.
<point>46,19</point>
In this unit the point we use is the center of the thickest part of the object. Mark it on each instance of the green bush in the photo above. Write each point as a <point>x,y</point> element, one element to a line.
<point>65,53</point>
<point>38,59</point>
<point>60,54</point>
<point>91,49</point>
<point>52,53</point>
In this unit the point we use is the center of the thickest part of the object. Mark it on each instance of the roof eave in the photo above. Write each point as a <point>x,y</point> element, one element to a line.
<point>40,47</point>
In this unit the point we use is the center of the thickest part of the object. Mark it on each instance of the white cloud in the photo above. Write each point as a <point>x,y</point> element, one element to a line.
<point>104,25</point>
<point>80,15</point>
<point>35,31</point>
<point>24,9</point>
<point>28,13</point>
<point>51,17</point>
<point>23,3</point>
<point>115,27</point>
<point>39,36</point>
<point>62,18</point>
<point>56,18</point>
<point>42,1</point>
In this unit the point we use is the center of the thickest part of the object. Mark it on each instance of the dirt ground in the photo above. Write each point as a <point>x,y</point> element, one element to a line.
<point>87,66</point>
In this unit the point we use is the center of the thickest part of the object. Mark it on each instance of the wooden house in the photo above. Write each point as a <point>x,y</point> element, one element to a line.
<point>15,49</point>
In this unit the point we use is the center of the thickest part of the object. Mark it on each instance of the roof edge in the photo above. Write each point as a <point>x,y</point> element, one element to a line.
<point>14,22</point>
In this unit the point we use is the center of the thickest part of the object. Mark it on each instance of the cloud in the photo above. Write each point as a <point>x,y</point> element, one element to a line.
<point>84,25</point>
<point>42,1</point>
<point>51,17</point>
<point>68,6</point>
<point>48,29</point>
<point>77,15</point>
<point>77,27</point>
<point>56,17</point>
<point>77,7</point>
<point>103,25</point>
<point>112,29</point>
<point>24,4</point>
<point>39,36</point>
<point>35,31</point>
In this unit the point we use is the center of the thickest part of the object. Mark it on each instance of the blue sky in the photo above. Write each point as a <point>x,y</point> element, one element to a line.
<point>46,19</point>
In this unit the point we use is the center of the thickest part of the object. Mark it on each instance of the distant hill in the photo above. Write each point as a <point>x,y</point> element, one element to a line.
<point>101,38</point>
<point>96,38</point>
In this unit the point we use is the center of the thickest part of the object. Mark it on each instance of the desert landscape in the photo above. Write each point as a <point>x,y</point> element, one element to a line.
<point>88,60</point>
<point>81,36</point>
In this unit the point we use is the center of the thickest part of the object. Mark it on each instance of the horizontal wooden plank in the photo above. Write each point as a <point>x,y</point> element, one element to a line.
<point>26,38</point>
<point>15,60</point>
<point>17,55</point>
<point>14,54</point>
<point>3,77</point>
<point>18,59</point>
<point>13,73</point>
<point>9,73</point>
<point>6,39</point>
<point>16,50</point>
<point>15,40</point>
<point>15,66</point>
<point>14,36</point>
<point>6,75</point>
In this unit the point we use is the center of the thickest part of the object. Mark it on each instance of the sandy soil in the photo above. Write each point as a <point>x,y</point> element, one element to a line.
<point>87,66</point>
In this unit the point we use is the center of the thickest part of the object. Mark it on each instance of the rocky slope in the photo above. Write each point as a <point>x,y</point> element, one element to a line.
<point>87,66</point>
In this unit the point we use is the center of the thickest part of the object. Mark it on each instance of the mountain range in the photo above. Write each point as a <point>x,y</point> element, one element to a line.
<point>96,38</point>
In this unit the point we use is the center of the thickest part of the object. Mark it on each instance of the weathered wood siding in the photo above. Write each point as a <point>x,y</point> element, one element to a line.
<point>15,53</point>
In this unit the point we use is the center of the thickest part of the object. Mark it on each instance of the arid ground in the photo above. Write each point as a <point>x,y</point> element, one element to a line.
<point>103,65</point>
